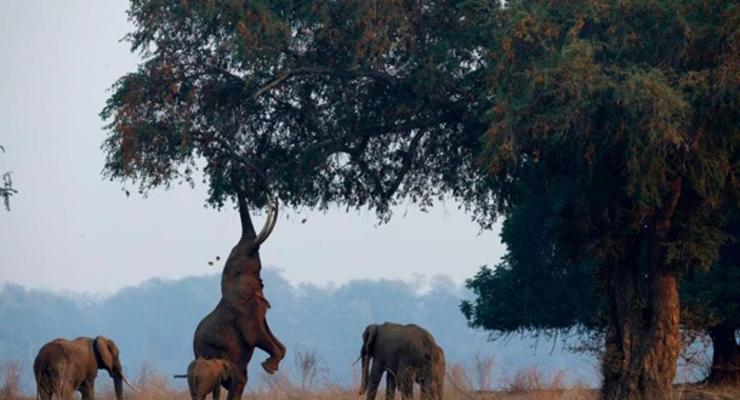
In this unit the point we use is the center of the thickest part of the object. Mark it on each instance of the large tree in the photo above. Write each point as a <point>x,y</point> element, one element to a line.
<point>631,109</point>
<point>354,102</point>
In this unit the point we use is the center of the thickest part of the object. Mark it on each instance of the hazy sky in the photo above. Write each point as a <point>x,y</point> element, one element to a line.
<point>70,229</point>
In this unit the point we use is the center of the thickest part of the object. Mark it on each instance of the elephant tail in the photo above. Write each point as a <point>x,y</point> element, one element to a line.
<point>180,376</point>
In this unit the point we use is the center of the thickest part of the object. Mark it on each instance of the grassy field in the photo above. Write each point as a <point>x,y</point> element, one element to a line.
<point>681,393</point>
<point>528,384</point>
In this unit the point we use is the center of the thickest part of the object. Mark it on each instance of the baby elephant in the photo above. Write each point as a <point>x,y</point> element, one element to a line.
<point>207,375</point>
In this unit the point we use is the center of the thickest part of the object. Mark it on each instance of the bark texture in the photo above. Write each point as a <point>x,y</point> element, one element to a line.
<point>726,358</point>
<point>642,337</point>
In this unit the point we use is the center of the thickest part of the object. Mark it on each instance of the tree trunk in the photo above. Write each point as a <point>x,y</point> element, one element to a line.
<point>726,358</point>
<point>642,335</point>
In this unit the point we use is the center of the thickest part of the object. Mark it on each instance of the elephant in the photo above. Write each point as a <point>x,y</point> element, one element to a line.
<point>65,366</point>
<point>206,376</point>
<point>238,323</point>
<point>407,354</point>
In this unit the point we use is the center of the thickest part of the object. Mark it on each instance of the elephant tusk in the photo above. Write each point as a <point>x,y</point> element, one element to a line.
<point>129,385</point>
<point>272,210</point>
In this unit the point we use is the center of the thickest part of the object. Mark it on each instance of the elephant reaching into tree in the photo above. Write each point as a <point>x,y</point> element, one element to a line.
<point>407,354</point>
<point>238,324</point>
<point>207,376</point>
<point>65,366</point>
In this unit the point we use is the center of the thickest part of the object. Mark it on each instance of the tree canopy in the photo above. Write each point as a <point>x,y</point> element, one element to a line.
<point>353,102</point>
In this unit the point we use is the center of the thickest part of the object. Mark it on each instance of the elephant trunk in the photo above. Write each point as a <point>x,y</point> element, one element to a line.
<point>365,371</point>
<point>118,386</point>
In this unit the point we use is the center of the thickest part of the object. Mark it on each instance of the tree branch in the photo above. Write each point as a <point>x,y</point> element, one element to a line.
<point>405,164</point>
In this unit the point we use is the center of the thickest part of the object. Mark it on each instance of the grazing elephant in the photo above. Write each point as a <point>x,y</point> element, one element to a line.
<point>408,354</point>
<point>65,366</point>
<point>238,324</point>
<point>206,376</point>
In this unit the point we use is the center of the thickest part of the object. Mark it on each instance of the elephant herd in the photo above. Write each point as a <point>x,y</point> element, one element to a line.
<point>225,340</point>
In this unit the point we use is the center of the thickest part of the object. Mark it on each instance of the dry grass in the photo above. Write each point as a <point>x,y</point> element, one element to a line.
<point>703,392</point>
<point>681,393</point>
<point>10,375</point>
<point>524,384</point>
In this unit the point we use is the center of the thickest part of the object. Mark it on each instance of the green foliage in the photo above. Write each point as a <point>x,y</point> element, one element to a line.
<point>609,119</point>
<point>633,107</point>
<point>710,298</point>
<point>355,102</point>
<point>536,287</point>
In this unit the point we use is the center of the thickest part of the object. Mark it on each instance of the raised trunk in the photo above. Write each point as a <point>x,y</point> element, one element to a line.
<point>726,358</point>
<point>642,336</point>
<point>248,231</point>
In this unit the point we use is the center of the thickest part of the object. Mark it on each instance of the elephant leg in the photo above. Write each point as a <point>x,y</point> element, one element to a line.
<point>66,392</point>
<point>239,382</point>
<point>428,393</point>
<point>407,389</point>
<point>43,393</point>
<point>373,380</point>
<point>217,392</point>
<point>87,390</point>
<point>390,385</point>
<point>43,390</point>
<point>405,382</point>
<point>267,342</point>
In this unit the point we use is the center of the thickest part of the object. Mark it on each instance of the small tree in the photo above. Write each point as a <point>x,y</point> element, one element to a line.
<point>6,190</point>
<point>308,365</point>
<point>10,372</point>
<point>483,371</point>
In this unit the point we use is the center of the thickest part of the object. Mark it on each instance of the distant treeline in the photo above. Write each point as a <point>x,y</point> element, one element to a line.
<point>153,324</point>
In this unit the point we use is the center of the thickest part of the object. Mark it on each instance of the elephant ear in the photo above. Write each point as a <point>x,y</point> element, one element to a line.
<point>368,338</point>
<point>103,349</point>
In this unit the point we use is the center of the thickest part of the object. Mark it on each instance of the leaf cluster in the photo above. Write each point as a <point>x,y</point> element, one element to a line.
<point>632,107</point>
<point>359,103</point>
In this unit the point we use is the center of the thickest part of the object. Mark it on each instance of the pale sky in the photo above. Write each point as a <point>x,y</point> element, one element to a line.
<point>69,229</point>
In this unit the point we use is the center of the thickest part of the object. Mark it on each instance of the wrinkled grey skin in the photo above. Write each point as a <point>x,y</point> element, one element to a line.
<point>207,376</point>
<point>407,354</point>
<point>65,366</point>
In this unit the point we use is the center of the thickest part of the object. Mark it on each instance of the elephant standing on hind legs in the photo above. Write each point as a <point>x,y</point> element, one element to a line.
<point>407,354</point>
<point>65,366</point>
<point>238,324</point>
